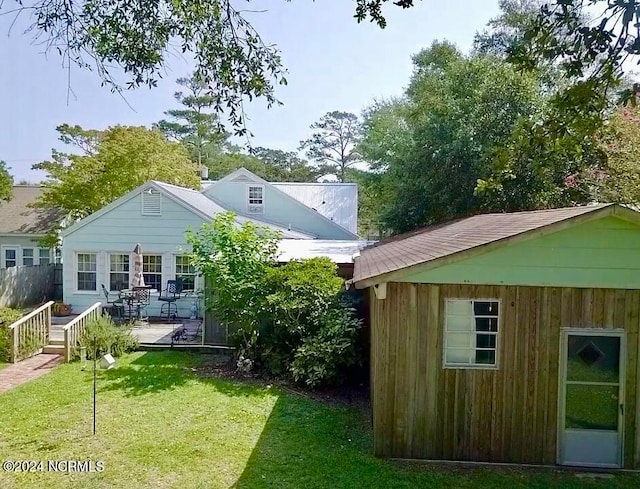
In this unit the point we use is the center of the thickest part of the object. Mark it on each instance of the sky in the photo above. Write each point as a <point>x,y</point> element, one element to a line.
<point>333,63</point>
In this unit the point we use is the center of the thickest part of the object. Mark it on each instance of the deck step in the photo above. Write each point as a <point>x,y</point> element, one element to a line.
<point>54,348</point>
<point>53,342</point>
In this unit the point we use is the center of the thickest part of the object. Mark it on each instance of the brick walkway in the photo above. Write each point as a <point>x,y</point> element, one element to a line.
<point>26,370</point>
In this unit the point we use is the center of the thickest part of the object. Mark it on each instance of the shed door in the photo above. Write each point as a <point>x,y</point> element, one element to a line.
<point>591,400</point>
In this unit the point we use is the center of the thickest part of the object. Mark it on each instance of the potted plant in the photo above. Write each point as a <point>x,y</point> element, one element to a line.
<point>61,309</point>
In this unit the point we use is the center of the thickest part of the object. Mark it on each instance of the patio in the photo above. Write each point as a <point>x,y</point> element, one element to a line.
<point>157,332</point>
<point>182,332</point>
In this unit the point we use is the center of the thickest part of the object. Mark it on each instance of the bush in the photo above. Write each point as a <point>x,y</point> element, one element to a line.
<point>305,331</point>
<point>290,320</point>
<point>109,338</point>
<point>8,316</point>
<point>324,357</point>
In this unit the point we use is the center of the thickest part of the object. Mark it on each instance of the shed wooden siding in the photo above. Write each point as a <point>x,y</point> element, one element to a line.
<point>603,253</point>
<point>421,410</point>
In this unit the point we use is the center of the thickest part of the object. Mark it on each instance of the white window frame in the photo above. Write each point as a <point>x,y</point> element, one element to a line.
<point>76,271</point>
<point>48,251</point>
<point>161,273</point>
<point>175,271</point>
<point>255,204</point>
<point>110,271</point>
<point>4,255</point>
<point>33,256</point>
<point>473,336</point>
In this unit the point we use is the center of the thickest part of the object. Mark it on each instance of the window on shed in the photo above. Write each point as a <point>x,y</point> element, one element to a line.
<point>255,202</point>
<point>471,333</point>
<point>151,202</point>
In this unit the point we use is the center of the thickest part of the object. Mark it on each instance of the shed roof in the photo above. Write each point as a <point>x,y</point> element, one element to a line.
<point>444,240</point>
<point>16,217</point>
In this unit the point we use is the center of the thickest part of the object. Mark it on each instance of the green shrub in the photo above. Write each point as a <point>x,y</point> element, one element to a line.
<point>298,296</point>
<point>290,320</point>
<point>29,346</point>
<point>103,336</point>
<point>325,357</point>
<point>8,316</point>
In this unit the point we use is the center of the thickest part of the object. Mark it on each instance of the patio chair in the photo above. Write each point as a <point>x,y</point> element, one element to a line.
<point>115,305</point>
<point>169,296</point>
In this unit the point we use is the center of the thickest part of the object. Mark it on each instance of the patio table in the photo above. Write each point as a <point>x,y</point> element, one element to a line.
<point>128,296</point>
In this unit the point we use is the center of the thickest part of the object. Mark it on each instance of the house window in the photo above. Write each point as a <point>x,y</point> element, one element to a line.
<point>255,199</point>
<point>152,271</point>
<point>151,202</point>
<point>119,269</point>
<point>86,267</point>
<point>44,254</point>
<point>186,271</point>
<point>27,257</point>
<point>10,257</point>
<point>471,333</point>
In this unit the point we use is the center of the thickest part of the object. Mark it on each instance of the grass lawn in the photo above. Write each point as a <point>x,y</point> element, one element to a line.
<point>162,426</point>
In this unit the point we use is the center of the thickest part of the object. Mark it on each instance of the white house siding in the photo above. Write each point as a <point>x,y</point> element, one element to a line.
<point>118,231</point>
<point>278,208</point>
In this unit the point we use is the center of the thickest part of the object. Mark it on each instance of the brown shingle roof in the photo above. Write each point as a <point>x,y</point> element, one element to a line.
<point>16,217</point>
<point>442,240</point>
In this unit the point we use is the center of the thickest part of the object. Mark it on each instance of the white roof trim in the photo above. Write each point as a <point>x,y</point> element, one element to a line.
<point>257,179</point>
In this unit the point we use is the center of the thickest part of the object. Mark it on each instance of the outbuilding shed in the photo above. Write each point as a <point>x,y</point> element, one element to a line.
<point>508,337</point>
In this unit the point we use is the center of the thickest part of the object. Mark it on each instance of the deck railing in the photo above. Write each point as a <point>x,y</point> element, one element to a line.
<point>30,333</point>
<point>74,329</point>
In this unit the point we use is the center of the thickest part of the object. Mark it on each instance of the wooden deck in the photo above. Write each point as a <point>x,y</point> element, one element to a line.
<point>157,332</point>
<point>162,333</point>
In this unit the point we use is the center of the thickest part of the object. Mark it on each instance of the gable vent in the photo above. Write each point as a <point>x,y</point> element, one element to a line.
<point>242,178</point>
<point>151,202</point>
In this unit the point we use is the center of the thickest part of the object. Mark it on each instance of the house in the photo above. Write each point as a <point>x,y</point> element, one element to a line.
<point>98,250</point>
<point>289,205</point>
<point>508,338</point>
<point>21,227</point>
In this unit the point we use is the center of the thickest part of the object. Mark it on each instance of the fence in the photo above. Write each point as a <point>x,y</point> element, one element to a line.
<point>30,333</point>
<point>25,286</point>
<point>75,328</point>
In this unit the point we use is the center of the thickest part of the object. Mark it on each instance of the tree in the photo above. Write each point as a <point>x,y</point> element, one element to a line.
<point>590,50</point>
<point>617,177</point>
<point>505,30</point>
<point>112,162</point>
<point>195,124</point>
<point>334,144</point>
<point>6,182</point>
<point>455,144</point>
<point>138,37</point>
<point>285,166</point>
